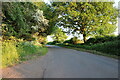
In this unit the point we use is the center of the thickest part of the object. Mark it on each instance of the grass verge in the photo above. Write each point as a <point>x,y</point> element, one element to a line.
<point>16,52</point>
<point>88,50</point>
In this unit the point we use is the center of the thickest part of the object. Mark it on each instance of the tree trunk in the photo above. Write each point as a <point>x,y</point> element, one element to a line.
<point>84,37</point>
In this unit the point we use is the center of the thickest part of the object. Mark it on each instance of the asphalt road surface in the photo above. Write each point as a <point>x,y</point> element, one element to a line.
<point>65,63</point>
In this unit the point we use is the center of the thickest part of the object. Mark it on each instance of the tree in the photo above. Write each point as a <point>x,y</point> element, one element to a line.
<point>50,14</point>
<point>119,9</point>
<point>74,40</point>
<point>41,24</point>
<point>23,20</point>
<point>17,19</point>
<point>87,18</point>
<point>59,35</point>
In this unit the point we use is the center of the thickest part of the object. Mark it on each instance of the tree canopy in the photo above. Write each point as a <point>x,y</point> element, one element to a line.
<point>26,19</point>
<point>50,14</point>
<point>87,18</point>
<point>17,19</point>
<point>59,35</point>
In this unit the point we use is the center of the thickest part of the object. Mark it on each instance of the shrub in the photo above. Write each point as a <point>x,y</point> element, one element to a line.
<point>27,48</point>
<point>14,52</point>
<point>9,53</point>
<point>118,37</point>
<point>91,40</point>
<point>73,40</point>
<point>67,41</point>
<point>112,47</point>
<point>102,39</point>
<point>53,43</point>
<point>50,43</point>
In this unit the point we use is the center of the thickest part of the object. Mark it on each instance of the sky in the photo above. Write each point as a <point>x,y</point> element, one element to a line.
<point>70,36</point>
<point>116,2</point>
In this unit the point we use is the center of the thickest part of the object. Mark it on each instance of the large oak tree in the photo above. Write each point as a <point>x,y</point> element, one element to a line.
<point>87,18</point>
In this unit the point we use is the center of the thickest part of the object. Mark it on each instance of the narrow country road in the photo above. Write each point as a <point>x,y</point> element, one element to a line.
<point>65,63</point>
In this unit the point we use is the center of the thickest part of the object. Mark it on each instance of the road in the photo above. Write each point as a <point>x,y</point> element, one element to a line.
<point>65,63</point>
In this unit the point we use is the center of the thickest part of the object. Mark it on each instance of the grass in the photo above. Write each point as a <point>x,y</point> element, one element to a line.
<point>94,52</point>
<point>109,49</point>
<point>16,52</point>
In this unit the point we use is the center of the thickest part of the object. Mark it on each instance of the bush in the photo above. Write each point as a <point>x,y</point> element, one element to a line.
<point>73,40</point>
<point>14,52</point>
<point>118,37</point>
<point>100,39</point>
<point>90,41</point>
<point>53,43</point>
<point>27,48</point>
<point>112,47</point>
<point>68,41</point>
<point>50,43</point>
<point>9,53</point>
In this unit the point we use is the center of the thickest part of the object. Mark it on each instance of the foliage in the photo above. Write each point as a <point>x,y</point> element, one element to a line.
<point>41,27</point>
<point>9,53</point>
<point>73,40</point>
<point>17,19</point>
<point>22,20</point>
<point>109,48</point>
<point>68,41</point>
<point>59,35</point>
<point>50,43</point>
<point>14,52</point>
<point>50,14</point>
<point>119,9</point>
<point>109,45</point>
<point>87,18</point>
<point>101,39</point>
<point>27,48</point>
<point>41,24</point>
<point>53,43</point>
